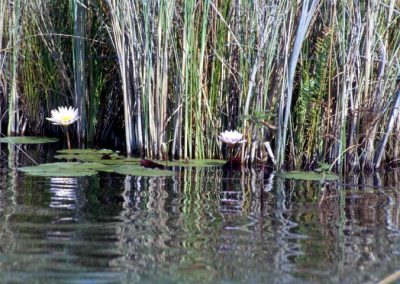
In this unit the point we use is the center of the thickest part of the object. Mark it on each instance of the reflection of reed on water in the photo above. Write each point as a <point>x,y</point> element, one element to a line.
<point>201,225</point>
<point>371,204</point>
<point>359,218</point>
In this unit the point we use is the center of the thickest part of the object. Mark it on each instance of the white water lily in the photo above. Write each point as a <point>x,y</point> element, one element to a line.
<point>64,116</point>
<point>231,137</point>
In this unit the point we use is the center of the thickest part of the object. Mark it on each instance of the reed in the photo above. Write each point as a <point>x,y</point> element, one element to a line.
<point>15,28</point>
<point>3,46</point>
<point>315,79</point>
<point>79,65</point>
<point>4,39</point>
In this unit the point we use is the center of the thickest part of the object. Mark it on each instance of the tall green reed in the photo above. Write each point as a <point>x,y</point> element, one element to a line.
<point>79,8</point>
<point>15,28</point>
<point>4,42</point>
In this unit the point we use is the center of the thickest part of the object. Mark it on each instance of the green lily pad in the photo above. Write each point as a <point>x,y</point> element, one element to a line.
<point>193,163</point>
<point>323,167</point>
<point>308,176</point>
<point>128,166</point>
<point>106,157</point>
<point>136,170</point>
<point>113,159</point>
<point>27,140</point>
<point>86,151</point>
<point>63,169</point>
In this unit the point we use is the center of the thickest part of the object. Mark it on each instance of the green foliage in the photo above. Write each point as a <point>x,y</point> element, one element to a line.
<point>86,151</point>
<point>77,169</point>
<point>198,163</point>
<point>136,170</point>
<point>62,169</point>
<point>308,176</point>
<point>260,122</point>
<point>311,100</point>
<point>323,167</point>
<point>103,156</point>
<point>27,140</point>
<point>190,69</point>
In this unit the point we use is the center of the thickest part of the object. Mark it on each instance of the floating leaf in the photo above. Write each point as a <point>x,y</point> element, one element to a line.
<point>308,176</point>
<point>108,157</point>
<point>27,140</point>
<point>63,169</point>
<point>85,157</point>
<point>194,163</point>
<point>86,151</point>
<point>104,156</point>
<point>323,167</point>
<point>136,170</point>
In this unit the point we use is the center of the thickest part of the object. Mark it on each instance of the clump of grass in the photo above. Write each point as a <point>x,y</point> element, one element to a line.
<point>174,74</point>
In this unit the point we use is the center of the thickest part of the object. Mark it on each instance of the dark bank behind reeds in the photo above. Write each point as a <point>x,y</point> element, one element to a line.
<point>316,79</point>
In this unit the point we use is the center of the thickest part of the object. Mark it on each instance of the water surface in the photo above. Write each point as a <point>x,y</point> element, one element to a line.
<point>204,225</point>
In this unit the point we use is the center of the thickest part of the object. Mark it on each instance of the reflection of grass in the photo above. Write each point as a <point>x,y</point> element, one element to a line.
<point>103,198</point>
<point>32,194</point>
<point>201,219</point>
<point>195,271</point>
<point>316,244</point>
<point>200,199</point>
<point>311,176</point>
<point>177,229</point>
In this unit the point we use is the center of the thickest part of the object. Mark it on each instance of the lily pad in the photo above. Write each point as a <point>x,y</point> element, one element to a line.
<point>323,167</point>
<point>104,156</point>
<point>86,151</point>
<point>109,157</point>
<point>103,159</point>
<point>136,170</point>
<point>63,169</point>
<point>27,140</point>
<point>194,163</point>
<point>308,176</point>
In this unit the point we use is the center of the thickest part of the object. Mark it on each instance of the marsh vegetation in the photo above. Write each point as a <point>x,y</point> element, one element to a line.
<point>315,79</point>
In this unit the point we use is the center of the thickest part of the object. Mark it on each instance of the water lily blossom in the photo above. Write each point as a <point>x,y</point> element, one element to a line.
<point>64,116</point>
<point>231,137</point>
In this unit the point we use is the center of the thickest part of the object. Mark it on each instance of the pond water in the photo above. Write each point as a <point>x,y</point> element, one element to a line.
<point>204,225</point>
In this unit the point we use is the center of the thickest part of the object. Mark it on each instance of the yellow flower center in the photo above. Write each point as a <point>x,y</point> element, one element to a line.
<point>66,118</point>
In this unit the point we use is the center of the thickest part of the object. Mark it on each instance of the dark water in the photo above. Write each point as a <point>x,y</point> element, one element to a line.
<point>201,226</point>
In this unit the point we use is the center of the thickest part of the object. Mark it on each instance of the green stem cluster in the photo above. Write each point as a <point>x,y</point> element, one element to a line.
<point>316,79</point>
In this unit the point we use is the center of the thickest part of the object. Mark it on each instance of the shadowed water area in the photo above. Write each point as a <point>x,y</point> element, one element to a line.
<point>204,225</point>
